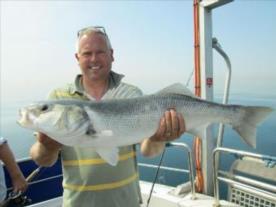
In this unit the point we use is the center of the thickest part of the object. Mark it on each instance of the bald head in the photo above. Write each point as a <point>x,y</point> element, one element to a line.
<point>88,32</point>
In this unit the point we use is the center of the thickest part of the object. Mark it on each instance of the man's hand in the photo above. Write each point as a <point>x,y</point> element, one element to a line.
<point>171,127</point>
<point>19,183</point>
<point>45,151</point>
<point>47,141</point>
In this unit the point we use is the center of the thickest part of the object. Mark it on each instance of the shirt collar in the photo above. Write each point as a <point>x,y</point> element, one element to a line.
<point>114,81</point>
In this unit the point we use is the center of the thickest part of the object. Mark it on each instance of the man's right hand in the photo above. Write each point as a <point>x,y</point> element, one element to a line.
<point>47,141</point>
<point>45,151</point>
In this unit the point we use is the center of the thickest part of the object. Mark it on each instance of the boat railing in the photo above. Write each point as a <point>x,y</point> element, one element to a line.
<point>189,171</point>
<point>251,179</point>
<point>226,58</point>
<point>38,178</point>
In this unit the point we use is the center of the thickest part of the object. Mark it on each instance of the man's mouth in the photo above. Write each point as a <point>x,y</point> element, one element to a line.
<point>94,67</point>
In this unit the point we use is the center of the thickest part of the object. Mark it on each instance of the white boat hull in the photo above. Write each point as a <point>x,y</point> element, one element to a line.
<point>162,197</point>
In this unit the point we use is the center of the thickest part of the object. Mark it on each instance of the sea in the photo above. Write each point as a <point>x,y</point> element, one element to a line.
<point>20,140</point>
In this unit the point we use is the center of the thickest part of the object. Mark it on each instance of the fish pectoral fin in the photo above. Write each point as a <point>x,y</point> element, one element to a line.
<point>96,131</point>
<point>91,114</point>
<point>176,88</point>
<point>110,155</point>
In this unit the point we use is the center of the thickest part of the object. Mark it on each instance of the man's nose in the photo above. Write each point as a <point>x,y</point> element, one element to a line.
<point>93,57</point>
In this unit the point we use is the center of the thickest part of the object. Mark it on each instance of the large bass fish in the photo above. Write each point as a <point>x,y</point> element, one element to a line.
<point>108,124</point>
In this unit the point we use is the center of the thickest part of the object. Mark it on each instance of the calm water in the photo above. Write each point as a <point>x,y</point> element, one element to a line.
<point>21,139</point>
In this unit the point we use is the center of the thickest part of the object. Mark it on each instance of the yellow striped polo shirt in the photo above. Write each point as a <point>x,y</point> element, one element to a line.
<point>87,179</point>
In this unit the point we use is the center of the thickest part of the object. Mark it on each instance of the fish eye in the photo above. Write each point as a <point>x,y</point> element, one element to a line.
<point>44,107</point>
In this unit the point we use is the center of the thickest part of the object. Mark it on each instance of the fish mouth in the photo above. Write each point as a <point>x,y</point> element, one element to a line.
<point>25,119</point>
<point>22,118</point>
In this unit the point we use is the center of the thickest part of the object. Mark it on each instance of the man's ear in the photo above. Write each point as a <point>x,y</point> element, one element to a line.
<point>111,53</point>
<point>77,56</point>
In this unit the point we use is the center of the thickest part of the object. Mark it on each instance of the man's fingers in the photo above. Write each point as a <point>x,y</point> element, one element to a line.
<point>171,126</point>
<point>182,127</point>
<point>47,141</point>
<point>162,127</point>
<point>175,123</point>
<point>168,121</point>
<point>161,130</point>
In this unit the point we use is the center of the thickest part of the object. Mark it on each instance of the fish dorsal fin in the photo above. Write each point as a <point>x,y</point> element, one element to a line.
<point>176,88</point>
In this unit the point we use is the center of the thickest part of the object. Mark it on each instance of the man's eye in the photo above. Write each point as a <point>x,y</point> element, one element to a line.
<point>44,108</point>
<point>86,54</point>
<point>101,52</point>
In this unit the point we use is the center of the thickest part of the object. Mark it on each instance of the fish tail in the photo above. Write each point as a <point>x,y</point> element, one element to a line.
<point>252,117</point>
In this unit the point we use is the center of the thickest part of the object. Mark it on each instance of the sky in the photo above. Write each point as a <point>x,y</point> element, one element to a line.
<point>152,40</point>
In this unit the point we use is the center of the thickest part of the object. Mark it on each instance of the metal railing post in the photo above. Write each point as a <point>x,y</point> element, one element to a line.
<point>190,163</point>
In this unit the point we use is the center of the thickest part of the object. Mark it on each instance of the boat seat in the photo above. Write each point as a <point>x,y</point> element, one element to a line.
<point>256,182</point>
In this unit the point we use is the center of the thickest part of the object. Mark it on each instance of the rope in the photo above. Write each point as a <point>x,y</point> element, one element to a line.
<point>156,176</point>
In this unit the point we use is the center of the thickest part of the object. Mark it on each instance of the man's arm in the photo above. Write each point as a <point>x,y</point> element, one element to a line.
<point>18,181</point>
<point>45,151</point>
<point>171,127</point>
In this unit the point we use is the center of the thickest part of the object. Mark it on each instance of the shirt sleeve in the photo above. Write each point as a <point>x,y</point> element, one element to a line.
<point>52,95</point>
<point>135,93</point>
<point>128,91</point>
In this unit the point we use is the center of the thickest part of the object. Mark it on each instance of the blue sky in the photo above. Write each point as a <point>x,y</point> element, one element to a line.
<point>152,41</point>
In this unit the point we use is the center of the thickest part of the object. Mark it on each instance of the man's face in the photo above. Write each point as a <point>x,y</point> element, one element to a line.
<point>94,57</point>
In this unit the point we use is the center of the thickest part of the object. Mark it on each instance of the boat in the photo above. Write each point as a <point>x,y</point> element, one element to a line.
<point>250,180</point>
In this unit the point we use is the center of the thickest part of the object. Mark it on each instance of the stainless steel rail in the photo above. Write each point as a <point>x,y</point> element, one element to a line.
<point>219,49</point>
<point>253,187</point>
<point>190,164</point>
<point>163,168</point>
<point>250,181</point>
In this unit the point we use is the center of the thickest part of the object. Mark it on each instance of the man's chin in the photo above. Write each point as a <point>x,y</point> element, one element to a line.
<point>98,74</point>
<point>95,76</point>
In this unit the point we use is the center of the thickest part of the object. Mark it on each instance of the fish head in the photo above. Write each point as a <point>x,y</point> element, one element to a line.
<point>54,119</point>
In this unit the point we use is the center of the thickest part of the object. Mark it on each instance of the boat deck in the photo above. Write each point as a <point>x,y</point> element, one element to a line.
<point>162,197</point>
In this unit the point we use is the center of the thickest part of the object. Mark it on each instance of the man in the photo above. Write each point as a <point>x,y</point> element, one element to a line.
<point>88,180</point>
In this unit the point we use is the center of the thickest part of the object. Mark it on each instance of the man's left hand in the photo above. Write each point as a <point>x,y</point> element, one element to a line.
<point>171,127</point>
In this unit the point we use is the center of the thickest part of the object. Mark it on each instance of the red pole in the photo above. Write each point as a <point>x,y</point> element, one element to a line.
<point>197,141</point>
<point>196,49</point>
